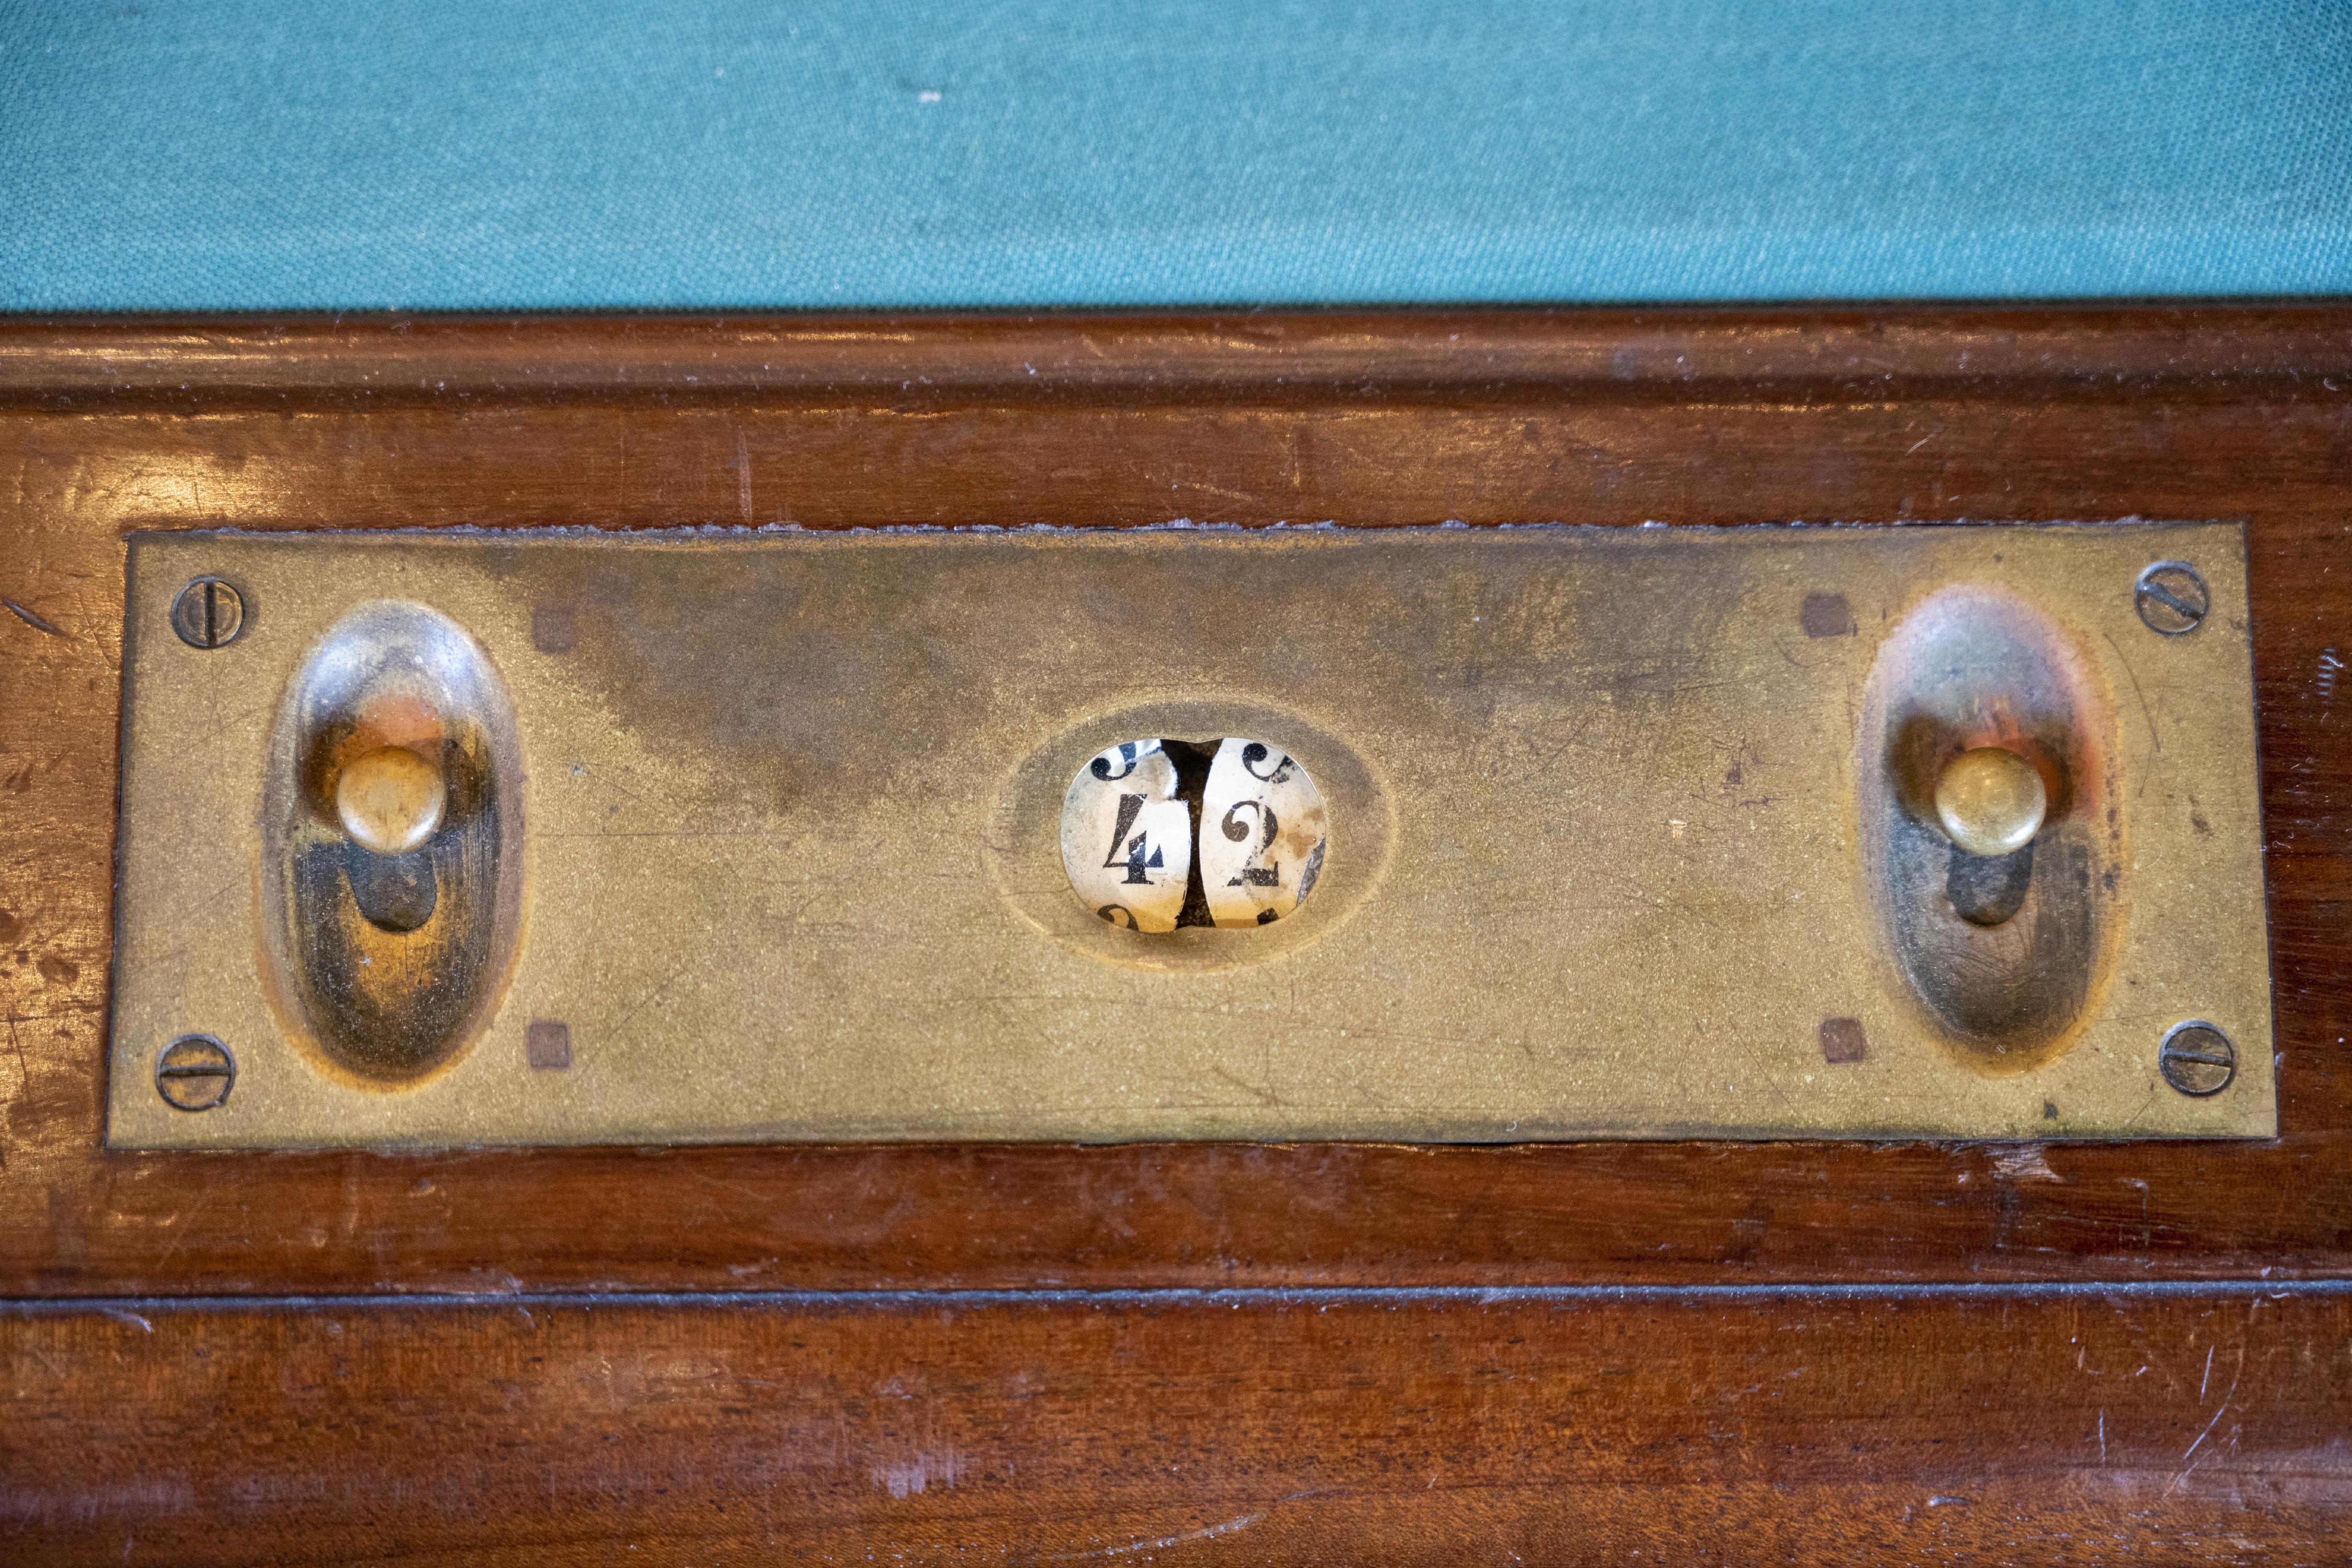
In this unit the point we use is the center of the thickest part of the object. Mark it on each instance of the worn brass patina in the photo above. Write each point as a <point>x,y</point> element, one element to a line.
<point>760,836</point>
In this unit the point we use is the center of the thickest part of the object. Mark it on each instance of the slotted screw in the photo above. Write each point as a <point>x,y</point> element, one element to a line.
<point>208,612</point>
<point>2197,1058</point>
<point>195,1072</point>
<point>2172,597</point>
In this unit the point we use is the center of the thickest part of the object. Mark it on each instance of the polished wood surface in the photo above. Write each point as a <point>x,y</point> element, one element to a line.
<point>1241,360</point>
<point>1604,417</point>
<point>2115,423</point>
<point>2061,1426</point>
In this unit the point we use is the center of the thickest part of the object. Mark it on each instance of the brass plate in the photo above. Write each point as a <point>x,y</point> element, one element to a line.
<point>1601,808</point>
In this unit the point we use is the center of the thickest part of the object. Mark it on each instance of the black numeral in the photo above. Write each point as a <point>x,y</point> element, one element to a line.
<point>1130,806</point>
<point>1235,830</point>
<point>1256,752</point>
<point>1126,755</point>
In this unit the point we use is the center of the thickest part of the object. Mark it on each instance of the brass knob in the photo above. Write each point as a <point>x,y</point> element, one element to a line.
<point>1990,801</point>
<point>390,800</point>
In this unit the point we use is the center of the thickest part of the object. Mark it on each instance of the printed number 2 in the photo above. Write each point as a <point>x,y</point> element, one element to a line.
<point>1270,874</point>
<point>1129,807</point>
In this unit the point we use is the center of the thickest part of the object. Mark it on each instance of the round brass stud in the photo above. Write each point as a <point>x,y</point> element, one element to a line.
<point>390,800</point>
<point>1990,801</point>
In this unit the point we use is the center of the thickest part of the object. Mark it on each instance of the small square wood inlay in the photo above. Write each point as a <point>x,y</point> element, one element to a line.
<point>1841,1040</point>
<point>555,629</point>
<point>547,1043</point>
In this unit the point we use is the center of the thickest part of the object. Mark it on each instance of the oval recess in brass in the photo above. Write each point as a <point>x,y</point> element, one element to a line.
<point>2004,954</point>
<point>392,844</point>
<point>1026,840</point>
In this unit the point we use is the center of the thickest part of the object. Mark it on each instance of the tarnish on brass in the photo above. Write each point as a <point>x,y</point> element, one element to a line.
<point>390,843</point>
<point>760,838</point>
<point>2005,953</point>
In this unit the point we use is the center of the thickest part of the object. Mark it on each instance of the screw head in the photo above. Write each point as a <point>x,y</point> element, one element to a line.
<point>2197,1058</point>
<point>208,612</point>
<point>2172,597</point>
<point>195,1072</point>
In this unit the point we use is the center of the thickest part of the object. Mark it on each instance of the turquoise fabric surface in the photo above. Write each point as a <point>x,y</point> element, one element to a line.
<point>270,154</point>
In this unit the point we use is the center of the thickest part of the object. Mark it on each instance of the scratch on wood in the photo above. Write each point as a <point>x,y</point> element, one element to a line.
<point>30,619</point>
<point>1208,1533</point>
<point>903,1480</point>
<point>2187,1467</point>
<point>24,1077</point>
<point>2023,1162</point>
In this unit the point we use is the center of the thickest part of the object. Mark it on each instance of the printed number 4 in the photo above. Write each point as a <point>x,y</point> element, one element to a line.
<point>1129,807</point>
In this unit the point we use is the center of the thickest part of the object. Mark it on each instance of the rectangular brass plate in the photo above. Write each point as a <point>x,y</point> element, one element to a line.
<point>1598,828</point>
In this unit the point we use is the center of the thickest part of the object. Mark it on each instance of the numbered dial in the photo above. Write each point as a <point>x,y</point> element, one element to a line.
<point>1126,837</point>
<point>1160,834</point>
<point>1262,833</point>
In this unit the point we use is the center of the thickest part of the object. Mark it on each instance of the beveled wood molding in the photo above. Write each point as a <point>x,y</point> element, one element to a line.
<point>1275,357</point>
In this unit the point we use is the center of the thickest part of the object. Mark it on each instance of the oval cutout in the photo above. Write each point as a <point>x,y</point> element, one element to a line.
<point>2005,957</point>
<point>1025,842</point>
<point>1229,833</point>
<point>389,962</point>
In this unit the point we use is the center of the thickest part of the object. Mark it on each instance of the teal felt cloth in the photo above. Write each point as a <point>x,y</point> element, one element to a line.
<point>471,154</point>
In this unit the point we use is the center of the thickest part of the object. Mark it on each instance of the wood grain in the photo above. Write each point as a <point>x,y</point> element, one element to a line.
<point>1351,357</point>
<point>165,1400</point>
<point>1687,417</point>
<point>2020,1427</point>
